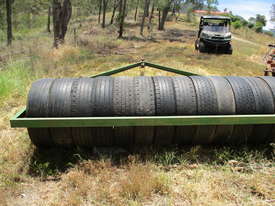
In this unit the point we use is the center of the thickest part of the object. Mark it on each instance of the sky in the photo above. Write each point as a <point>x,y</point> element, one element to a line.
<point>248,8</point>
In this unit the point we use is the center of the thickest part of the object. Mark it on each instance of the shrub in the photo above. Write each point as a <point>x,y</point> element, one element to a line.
<point>259,27</point>
<point>237,24</point>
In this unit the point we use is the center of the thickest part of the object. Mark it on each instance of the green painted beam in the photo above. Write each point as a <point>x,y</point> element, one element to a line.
<point>148,64</point>
<point>169,69</point>
<point>142,121</point>
<point>118,70</point>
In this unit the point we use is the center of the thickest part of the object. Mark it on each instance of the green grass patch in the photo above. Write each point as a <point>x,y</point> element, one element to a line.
<point>15,78</point>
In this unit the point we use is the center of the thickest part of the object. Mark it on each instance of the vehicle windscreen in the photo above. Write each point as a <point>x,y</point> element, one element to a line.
<point>216,26</point>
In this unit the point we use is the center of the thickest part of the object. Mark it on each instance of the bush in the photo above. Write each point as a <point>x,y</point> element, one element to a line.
<point>237,24</point>
<point>259,27</point>
<point>250,25</point>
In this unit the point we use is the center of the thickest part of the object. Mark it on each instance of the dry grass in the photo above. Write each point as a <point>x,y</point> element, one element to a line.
<point>177,176</point>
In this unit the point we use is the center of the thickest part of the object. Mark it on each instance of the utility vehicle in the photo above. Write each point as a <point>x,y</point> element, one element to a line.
<point>214,35</point>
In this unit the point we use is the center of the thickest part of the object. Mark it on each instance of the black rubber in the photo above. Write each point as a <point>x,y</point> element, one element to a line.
<point>82,106</point>
<point>144,106</point>
<point>244,97</point>
<point>186,104</point>
<point>264,105</point>
<point>207,104</point>
<point>262,94</point>
<point>124,105</point>
<point>270,81</point>
<point>165,102</point>
<point>102,99</point>
<point>149,96</point>
<point>245,104</point>
<point>185,94</point>
<point>226,106</point>
<point>37,106</point>
<point>60,106</point>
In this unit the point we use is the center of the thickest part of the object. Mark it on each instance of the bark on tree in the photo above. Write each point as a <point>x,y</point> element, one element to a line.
<point>159,18</point>
<point>49,19</point>
<point>105,4</point>
<point>99,11</point>
<point>151,15</point>
<point>62,11</point>
<point>146,6</point>
<point>9,21</point>
<point>165,14</point>
<point>136,10</point>
<point>114,12</point>
<point>122,12</point>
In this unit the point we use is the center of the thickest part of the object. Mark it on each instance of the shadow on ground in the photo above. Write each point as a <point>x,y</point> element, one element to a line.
<point>53,161</point>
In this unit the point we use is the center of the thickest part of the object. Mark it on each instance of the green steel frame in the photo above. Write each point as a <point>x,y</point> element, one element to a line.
<point>19,120</point>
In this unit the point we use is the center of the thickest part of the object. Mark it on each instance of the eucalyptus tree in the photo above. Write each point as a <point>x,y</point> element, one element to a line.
<point>62,12</point>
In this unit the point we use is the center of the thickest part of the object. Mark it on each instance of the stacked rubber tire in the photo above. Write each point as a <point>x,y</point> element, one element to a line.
<point>151,96</point>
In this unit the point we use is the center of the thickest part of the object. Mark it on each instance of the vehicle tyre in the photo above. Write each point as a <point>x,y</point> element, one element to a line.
<point>230,49</point>
<point>197,44</point>
<point>186,104</point>
<point>270,82</point>
<point>202,47</point>
<point>207,105</point>
<point>165,105</point>
<point>102,99</point>
<point>82,106</point>
<point>60,106</point>
<point>124,105</point>
<point>144,106</point>
<point>226,105</point>
<point>245,104</point>
<point>37,106</point>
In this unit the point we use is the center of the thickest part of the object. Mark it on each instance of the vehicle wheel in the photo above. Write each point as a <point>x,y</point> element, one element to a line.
<point>197,44</point>
<point>202,47</point>
<point>230,49</point>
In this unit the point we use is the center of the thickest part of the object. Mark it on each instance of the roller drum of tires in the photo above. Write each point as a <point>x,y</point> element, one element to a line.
<point>269,81</point>
<point>226,106</point>
<point>82,105</point>
<point>264,105</point>
<point>165,105</point>
<point>37,106</point>
<point>60,106</point>
<point>245,104</point>
<point>186,104</point>
<point>102,99</point>
<point>144,106</point>
<point>207,104</point>
<point>124,105</point>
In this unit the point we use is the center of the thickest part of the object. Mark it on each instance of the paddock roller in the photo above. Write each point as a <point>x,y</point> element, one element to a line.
<point>158,96</point>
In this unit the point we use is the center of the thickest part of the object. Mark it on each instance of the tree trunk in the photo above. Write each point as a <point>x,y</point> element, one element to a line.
<point>122,11</point>
<point>61,18</point>
<point>49,19</point>
<point>9,22</point>
<point>146,5</point>
<point>159,17</point>
<point>105,3</point>
<point>151,15</point>
<point>99,11</point>
<point>114,12</point>
<point>164,15</point>
<point>136,10</point>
